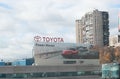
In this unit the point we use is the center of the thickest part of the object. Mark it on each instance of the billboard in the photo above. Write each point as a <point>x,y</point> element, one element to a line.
<point>64,51</point>
<point>53,51</point>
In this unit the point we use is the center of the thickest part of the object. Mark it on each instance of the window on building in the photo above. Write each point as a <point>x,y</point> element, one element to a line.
<point>118,38</point>
<point>69,62</point>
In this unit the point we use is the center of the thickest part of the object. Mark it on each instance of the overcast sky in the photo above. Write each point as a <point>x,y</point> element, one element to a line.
<point>21,20</point>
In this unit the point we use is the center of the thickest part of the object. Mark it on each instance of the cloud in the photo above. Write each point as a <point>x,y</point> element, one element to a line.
<point>21,20</point>
<point>3,5</point>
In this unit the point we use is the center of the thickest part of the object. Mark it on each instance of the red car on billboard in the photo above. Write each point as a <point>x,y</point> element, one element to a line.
<point>70,53</point>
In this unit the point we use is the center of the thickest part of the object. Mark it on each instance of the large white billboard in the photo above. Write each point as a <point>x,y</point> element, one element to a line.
<point>64,50</point>
<point>53,51</point>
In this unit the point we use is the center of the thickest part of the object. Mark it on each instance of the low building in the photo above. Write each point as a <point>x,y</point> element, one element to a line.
<point>51,54</point>
<point>2,63</point>
<point>114,40</point>
<point>51,72</point>
<point>23,62</point>
<point>110,71</point>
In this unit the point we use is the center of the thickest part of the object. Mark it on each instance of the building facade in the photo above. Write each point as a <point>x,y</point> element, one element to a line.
<point>53,54</point>
<point>50,55</point>
<point>114,40</point>
<point>93,28</point>
<point>110,71</point>
<point>51,72</point>
<point>23,62</point>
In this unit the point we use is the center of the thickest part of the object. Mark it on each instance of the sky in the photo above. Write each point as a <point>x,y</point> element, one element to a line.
<point>21,20</point>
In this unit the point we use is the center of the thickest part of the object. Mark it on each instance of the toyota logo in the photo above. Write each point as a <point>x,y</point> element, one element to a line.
<point>37,38</point>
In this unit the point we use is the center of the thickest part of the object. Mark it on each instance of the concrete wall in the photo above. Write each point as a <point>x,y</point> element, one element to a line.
<point>30,69</point>
<point>75,77</point>
<point>67,68</point>
<point>57,62</point>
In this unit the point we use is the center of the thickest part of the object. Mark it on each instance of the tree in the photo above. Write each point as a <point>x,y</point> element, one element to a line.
<point>106,54</point>
<point>117,53</point>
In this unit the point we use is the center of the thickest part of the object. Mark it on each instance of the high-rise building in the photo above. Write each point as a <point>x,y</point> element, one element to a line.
<point>93,28</point>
